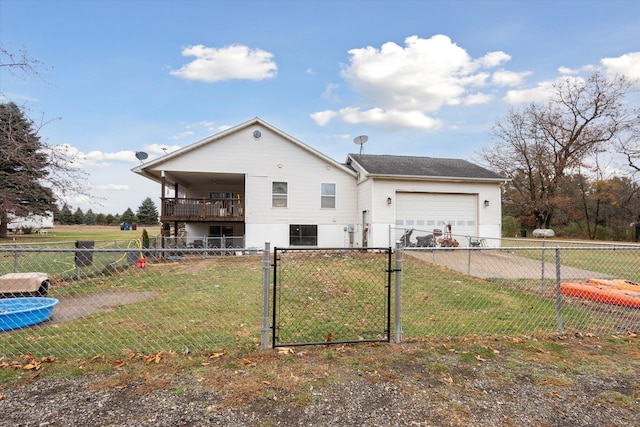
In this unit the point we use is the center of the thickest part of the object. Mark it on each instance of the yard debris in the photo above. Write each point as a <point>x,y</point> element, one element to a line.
<point>217,355</point>
<point>36,365</point>
<point>154,358</point>
<point>118,364</point>
<point>285,350</point>
<point>248,362</point>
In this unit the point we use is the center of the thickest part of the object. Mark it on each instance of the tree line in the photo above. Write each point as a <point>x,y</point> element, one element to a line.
<point>573,160</point>
<point>147,214</point>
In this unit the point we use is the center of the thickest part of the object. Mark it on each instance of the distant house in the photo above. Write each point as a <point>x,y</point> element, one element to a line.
<point>35,222</point>
<point>253,183</point>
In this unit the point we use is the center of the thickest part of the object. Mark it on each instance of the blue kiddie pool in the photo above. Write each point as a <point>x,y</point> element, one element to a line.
<point>20,312</point>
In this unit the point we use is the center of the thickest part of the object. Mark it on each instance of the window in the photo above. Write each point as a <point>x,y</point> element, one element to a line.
<point>327,195</point>
<point>279,195</point>
<point>303,235</point>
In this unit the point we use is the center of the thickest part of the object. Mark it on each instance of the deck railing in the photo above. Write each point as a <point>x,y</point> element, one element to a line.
<point>192,209</point>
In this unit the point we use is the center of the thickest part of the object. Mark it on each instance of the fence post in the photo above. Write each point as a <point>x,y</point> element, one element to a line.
<point>266,270</point>
<point>397,334</point>
<point>558,292</point>
<point>542,280</point>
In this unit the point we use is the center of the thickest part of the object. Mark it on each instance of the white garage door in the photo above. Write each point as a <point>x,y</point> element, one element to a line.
<point>425,212</point>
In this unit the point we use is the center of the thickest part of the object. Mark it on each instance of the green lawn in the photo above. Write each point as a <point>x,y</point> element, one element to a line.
<point>206,305</point>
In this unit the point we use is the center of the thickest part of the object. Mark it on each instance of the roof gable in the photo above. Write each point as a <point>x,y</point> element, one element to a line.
<point>420,167</point>
<point>152,166</point>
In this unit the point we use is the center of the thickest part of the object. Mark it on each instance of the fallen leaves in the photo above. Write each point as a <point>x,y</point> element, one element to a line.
<point>28,362</point>
<point>217,355</point>
<point>153,358</point>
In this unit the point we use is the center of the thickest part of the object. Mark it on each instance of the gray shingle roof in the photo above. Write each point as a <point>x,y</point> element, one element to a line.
<point>421,166</point>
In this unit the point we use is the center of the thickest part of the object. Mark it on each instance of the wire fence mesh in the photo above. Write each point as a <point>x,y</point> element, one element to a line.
<point>193,299</point>
<point>514,290</point>
<point>331,296</point>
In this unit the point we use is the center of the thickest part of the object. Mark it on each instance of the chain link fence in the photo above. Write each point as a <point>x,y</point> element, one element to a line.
<point>118,298</point>
<point>521,290</point>
<point>331,296</point>
<point>121,297</point>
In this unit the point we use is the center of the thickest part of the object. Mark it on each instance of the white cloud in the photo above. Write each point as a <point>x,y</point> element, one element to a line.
<point>344,136</point>
<point>111,187</point>
<point>477,99</point>
<point>423,75</point>
<point>329,92</point>
<point>493,59</point>
<point>323,117</point>
<point>567,70</point>
<point>627,65</point>
<point>389,119</point>
<point>403,84</point>
<point>182,135</point>
<point>539,93</point>
<point>118,156</point>
<point>508,78</point>
<point>226,63</point>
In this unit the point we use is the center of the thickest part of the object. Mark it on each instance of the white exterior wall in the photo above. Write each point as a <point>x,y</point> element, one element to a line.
<point>276,157</point>
<point>263,161</point>
<point>33,221</point>
<point>488,218</point>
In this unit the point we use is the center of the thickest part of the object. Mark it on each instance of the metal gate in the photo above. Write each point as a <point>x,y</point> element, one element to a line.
<point>331,296</point>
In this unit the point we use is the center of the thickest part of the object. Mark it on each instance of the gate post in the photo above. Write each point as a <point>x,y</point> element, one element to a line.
<point>266,270</point>
<point>558,292</point>
<point>397,334</point>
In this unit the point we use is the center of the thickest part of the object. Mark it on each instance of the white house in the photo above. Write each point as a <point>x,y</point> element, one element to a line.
<point>253,183</point>
<point>36,222</point>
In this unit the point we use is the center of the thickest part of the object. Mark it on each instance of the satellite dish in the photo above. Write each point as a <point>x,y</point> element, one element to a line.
<point>141,155</point>
<point>360,140</point>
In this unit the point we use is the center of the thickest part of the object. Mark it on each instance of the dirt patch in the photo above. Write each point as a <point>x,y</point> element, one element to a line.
<point>73,307</point>
<point>492,382</point>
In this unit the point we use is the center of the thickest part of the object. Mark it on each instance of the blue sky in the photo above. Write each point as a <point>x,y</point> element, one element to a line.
<point>424,78</point>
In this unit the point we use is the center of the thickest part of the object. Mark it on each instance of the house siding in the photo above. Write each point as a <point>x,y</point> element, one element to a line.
<point>269,159</point>
<point>384,219</point>
<point>252,164</point>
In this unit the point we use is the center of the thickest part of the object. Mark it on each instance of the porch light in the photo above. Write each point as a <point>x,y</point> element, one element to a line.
<point>388,200</point>
<point>486,203</point>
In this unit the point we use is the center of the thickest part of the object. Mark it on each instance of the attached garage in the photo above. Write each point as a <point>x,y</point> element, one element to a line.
<point>425,212</point>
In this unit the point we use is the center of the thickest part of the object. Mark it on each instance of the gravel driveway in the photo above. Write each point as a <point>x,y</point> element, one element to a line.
<point>423,384</point>
<point>491,264</point>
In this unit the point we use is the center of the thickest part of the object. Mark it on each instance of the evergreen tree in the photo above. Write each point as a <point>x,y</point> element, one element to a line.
<point>110,220</point>
<point>78,217</point>
<point>89,218</point>
<point>101,219</point>
<point>147,212</point>
<point>129,217</point>
<point>65,217</point>
<point>23,168</point>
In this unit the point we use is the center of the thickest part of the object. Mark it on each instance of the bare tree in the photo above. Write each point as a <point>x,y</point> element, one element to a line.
<point>20,62</point>
<point>539,145</point>
<point>629,145</point>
